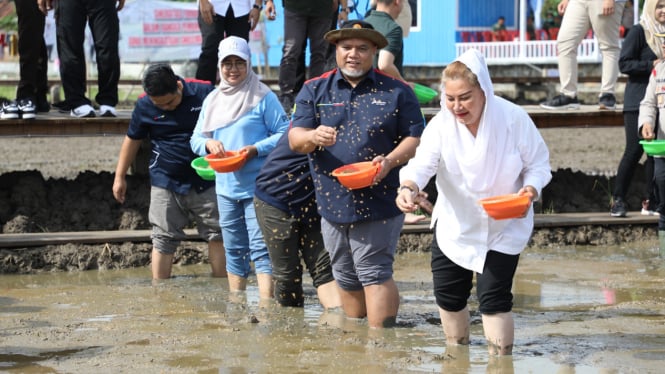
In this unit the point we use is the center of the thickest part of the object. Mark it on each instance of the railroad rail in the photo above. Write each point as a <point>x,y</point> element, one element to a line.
<point>61,124</point>
<point>26,240</point>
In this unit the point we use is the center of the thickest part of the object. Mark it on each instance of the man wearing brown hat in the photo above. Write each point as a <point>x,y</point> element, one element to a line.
<point>351,114</point>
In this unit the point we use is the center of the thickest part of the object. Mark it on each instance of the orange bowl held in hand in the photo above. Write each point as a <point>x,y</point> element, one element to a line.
<point>506,206</point>
<point>232,161</point>
<point>358,175</point>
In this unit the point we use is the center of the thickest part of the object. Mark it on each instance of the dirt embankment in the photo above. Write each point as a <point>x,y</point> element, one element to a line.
<point>70,190</point>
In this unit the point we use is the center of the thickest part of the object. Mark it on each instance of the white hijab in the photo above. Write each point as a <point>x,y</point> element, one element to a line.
<point>478,159</point>
<point>654,32</point>
<point>228,103</point>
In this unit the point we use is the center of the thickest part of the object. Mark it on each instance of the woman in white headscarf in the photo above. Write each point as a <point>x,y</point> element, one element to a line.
<point>478,146</point>
<point>651,120</point>
<point>242,114</point>
<point>641,51</point>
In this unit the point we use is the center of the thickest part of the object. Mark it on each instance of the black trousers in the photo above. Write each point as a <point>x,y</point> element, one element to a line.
<point>71,17</point>
<point>33,57</point>
<point>453,283</point>
<point>659,176</point>
<point>631,157</point>
<point>212,34</point>
<point>298,29</point>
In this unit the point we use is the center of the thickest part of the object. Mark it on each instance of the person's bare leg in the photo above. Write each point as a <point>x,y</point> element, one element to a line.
<point>236,283</point>
<point>161,264</point>
<point>328,294</point>
<point>217,258</point>
<point>382,304</point>
<point>455,326</point>
<point>353,303</point>
<point>500,333</point>
<point>266,286</point>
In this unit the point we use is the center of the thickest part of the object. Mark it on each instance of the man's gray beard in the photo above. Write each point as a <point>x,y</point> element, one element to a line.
<point>354,73</point>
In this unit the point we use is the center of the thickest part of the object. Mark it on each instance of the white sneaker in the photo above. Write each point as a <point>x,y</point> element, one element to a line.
<point>646,212</point>
<point>82,111</point>
<point>107,111</point>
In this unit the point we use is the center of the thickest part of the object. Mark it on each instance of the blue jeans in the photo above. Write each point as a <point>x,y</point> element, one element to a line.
<point>242,237</point>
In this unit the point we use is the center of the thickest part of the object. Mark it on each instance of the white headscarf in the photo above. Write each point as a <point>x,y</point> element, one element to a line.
<point>478,159</point>
<point>228,103</point>
<point>654,32</point>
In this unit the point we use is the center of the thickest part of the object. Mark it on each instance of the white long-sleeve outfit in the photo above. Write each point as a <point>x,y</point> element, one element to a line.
<point>507,154</point>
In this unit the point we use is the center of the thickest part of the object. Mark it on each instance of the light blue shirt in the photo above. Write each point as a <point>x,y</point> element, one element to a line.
<point>261,127</point>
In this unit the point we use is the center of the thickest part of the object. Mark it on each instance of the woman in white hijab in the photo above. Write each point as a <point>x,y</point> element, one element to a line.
<point>641,51</point>
<point>242,114</point>
<point>479,146</point>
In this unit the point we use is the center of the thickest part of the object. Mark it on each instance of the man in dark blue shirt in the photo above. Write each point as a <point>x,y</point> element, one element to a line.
<point>350,114</point>
<point>167,115</point>
<point>285,206</point>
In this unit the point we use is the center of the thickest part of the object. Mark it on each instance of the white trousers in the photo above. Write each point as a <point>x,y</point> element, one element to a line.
<point>578,17</point>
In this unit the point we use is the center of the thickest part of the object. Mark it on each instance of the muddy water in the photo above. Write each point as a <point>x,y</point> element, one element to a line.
<point>577,310</point>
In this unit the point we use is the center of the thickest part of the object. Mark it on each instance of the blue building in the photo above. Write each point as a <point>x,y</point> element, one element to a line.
<point>436,27</point>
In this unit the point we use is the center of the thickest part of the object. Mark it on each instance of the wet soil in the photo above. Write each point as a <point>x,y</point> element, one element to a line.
<point>608,318</point>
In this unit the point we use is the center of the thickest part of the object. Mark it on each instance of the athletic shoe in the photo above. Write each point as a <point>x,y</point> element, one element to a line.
<point>646,211</point>
<point>561,102</point>
<point>607,101</point>
<point>27,109</point>
<point>10,110</point>
<point>107,111</point>
<point>43,106</point>
<point>618,208</point>
<point>85,110</point>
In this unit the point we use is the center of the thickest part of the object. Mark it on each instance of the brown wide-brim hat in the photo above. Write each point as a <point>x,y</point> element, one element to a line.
<point>356,29</point>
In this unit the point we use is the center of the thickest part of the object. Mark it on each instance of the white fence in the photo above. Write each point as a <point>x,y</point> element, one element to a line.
<point>529,52</point>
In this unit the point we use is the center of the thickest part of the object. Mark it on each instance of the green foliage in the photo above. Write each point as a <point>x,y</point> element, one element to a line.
<point>9,23</point>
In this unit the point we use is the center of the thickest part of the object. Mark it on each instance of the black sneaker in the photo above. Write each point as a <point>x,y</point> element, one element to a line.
<point>27,108</point>
<point>607,101</point>
<point>43,106</point>
<point>618,208</point>
<point>10,110</point>
<point>561,102</point>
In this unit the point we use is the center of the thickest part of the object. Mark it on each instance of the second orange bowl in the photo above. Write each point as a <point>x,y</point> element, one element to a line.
<point>358,175</point>
<point>505,206</point>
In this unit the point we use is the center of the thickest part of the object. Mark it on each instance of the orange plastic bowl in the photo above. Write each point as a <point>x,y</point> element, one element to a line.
<point>505,206</point>
<point>232,161</point>
<point>358,175</point>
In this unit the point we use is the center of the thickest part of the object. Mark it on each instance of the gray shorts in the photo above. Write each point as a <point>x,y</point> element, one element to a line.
<point>170,213</point>
<point>362,253</point>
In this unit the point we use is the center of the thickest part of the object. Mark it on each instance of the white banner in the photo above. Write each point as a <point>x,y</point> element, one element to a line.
<point>152,31</point>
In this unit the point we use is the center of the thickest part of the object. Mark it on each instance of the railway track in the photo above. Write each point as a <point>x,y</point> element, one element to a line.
<point>563,220</point>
